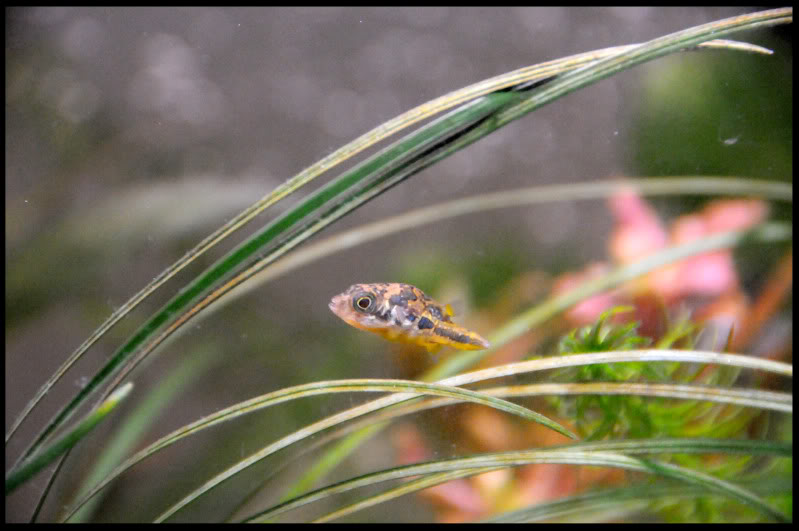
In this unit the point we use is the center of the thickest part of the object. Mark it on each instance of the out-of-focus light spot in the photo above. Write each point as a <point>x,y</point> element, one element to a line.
<point>296,95</point>
<point>731,141</point>
<point>171,83</point>
<point>83,38</point>
<point>53,83</point>
<point>79,102</point>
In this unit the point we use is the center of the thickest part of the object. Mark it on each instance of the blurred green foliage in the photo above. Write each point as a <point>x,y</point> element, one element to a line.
<point>728,116</point>
<point>618,416</point>
<point>486,273</point>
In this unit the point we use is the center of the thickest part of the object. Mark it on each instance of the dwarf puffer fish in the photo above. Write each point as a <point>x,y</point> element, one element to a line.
<point>401,312</point>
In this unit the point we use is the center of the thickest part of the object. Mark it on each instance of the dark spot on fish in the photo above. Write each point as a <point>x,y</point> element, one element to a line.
<point>382,316</point>
<point>455,336</point>
<point>407,293</point>
<point>424,323</point>
<point>398,300</point>
<point>411,317</point>
<point>435,311</point>
<point>397,322</point>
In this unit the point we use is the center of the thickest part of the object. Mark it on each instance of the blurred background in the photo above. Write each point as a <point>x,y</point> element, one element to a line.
<point>116,115</point>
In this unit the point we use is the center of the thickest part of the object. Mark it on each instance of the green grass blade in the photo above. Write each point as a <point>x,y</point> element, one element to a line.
<point>626,498</point>
<point>254,245</point>
<point>667,186</point>
<point>494,372</point>
<point>403,121</point>
<point>767,232</point>
<point>463,122</point>
<point>586,359</point>
<point>405,389</point>
<point>754,398</point>
<point>316,427</point>
<point>331,459</point>
<point>386,168</point>
<point>560,362</point>
<point>37,462</point>
<point>420,152</point>
<point>648,51</point>
<point>139,421</point>
<point>597,454</point>
<point>706,482</point>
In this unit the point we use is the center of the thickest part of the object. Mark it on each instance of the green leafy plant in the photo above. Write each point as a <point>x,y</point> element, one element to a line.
<point>602,415</point>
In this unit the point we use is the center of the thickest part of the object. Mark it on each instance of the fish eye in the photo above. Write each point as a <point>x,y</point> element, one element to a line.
<point>363,302</point>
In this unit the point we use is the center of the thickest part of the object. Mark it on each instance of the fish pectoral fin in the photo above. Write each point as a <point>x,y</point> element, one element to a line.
<point>433,348</point>
<point>449,310</point>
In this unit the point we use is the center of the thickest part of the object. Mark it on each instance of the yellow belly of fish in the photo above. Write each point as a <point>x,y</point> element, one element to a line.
<point>430,341</point>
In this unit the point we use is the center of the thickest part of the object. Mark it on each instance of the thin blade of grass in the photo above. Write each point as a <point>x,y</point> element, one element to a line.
<point>612,499</point>
<point>37,462</point>
<point>139,421</point>
<point>407,388</point>
<point>745,397</point>
<point>494,372</point>
<point>686,39</point>
<point>595,453</point>
<point>372,176</point>
<point>539,314</point>
<point>574,80</point>
<point>705,481</point>
<point>255,244</point>
<point>387,129</point>
<point>753,398</point>
<point>768,232</point>
<point>666,186</point>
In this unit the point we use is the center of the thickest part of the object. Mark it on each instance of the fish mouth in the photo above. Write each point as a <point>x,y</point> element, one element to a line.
<point>334,304</point>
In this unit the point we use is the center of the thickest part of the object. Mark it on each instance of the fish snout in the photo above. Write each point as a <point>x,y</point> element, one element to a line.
<point>335,304</point>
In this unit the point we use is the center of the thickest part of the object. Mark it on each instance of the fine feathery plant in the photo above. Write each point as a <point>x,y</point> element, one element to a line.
<point>602,396</point>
